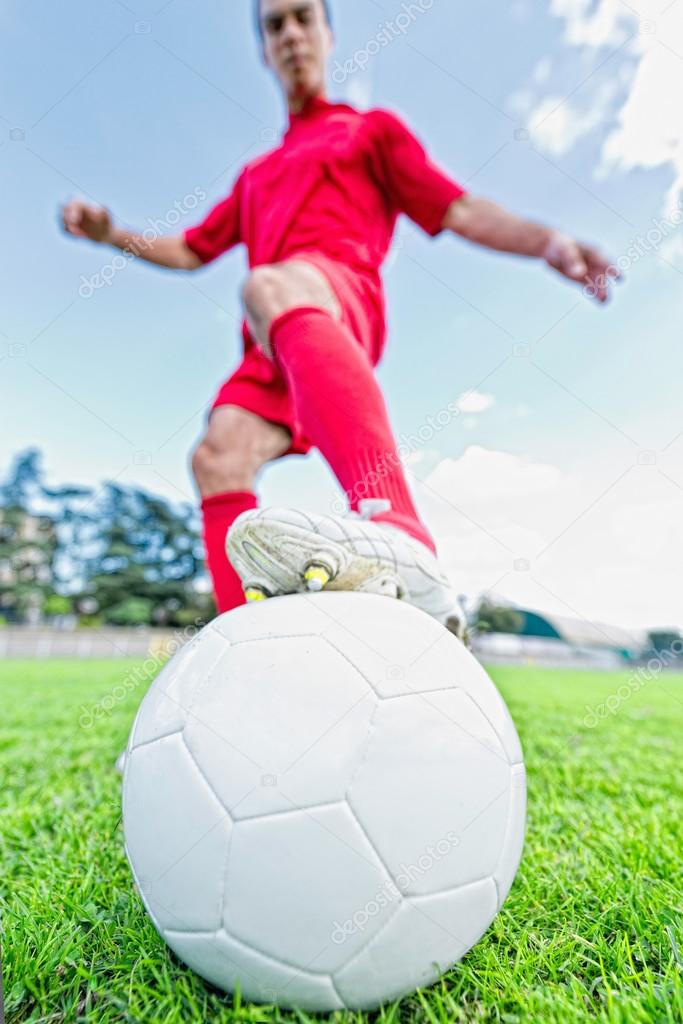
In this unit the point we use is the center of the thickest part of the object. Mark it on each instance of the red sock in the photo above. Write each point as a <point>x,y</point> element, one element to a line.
<point>219,512</point>
<point>340,407</point>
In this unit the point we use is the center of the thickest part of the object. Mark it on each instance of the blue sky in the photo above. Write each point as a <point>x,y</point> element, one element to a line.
<point>560,484</point>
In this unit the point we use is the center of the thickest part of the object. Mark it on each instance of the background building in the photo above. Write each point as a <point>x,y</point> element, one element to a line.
<point>525,635</point>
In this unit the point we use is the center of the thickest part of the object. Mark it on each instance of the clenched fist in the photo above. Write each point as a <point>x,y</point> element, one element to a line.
<point>85,221</point>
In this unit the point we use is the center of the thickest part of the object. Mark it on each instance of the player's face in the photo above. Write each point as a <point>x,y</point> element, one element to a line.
<point>297,42</point>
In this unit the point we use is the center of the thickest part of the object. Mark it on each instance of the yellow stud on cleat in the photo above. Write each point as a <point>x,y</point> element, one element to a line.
<point>317,577</point>
<point>255,594</point>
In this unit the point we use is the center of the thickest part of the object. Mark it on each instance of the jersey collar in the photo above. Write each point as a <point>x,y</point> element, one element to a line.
<point>313,107</point>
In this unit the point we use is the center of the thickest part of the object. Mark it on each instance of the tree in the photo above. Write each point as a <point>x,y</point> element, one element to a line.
<point>491,618</point>
<point>120,555</point>
<point>56,605</point>
<point>73,512</point>
<point>28,540</point>
<point>133,611</point>
<point>147,558</point>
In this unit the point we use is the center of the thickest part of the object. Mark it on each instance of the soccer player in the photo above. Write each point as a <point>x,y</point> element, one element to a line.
<point>317,215</point>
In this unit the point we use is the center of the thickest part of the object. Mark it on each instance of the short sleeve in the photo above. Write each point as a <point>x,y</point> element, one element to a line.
<point>414,184</point>
<point>219,231</point>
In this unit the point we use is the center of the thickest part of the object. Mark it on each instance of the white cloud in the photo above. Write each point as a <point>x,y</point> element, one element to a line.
<point>488,477</point>
<point>672,250</point>
<point>421,457</point>
<point>475,402</point>
<point>637,104</point>
<point>557,124</point>
<point>649,128</point>
<point>605,23</point>
<point>608,557</point>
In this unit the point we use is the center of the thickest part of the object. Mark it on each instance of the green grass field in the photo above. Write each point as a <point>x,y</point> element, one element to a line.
<point>592,929</point>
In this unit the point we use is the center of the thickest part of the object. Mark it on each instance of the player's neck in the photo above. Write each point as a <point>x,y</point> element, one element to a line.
<point>298,101</point>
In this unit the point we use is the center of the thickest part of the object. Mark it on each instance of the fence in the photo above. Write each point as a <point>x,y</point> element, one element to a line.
<point>491,649</point>
<point>509,649</point>
<point>27,642</point>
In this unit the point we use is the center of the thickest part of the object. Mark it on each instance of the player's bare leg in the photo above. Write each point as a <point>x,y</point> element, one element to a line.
<point>272,290</point>
<point>236,446</point>
<point>226,463</point>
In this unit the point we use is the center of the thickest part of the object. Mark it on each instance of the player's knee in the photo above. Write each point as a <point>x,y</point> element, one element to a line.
<point>265,293</point>
<point>223,468</point>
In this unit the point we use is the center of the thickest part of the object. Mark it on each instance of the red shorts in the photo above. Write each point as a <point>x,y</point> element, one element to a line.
<point>258,384</point>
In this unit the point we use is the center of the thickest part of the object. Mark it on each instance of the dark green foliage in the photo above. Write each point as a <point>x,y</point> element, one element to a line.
<point>116,556</point>
<point>491,618</point>
<point>28,541</point>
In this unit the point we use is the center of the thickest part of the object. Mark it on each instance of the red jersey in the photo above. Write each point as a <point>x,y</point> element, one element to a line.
<point>335,186</point>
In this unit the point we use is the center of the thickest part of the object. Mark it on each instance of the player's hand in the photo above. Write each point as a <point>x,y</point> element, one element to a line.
<point>583,264</point>
<point>85,221</point>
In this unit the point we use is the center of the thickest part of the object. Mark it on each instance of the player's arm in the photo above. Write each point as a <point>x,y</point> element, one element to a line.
<point>95,224</point>
<point>482,221</point>
<point>420,189</point>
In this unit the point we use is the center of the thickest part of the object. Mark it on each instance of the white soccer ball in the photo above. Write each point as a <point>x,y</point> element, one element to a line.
<point>324,801</point>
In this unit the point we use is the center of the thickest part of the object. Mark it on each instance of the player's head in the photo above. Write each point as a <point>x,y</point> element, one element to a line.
<point>297,41</point>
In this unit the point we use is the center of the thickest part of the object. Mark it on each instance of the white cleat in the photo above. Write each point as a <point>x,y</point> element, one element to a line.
<point>284,551</point>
